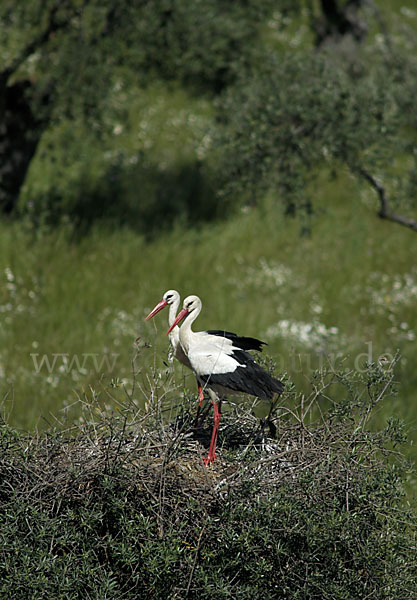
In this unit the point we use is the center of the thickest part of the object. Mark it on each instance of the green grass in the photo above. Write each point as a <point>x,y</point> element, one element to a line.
<point>141,165</point>
<point>354,281</point>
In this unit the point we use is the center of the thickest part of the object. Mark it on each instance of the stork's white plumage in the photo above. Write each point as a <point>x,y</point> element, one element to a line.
<point>221,364</point>
<point>172,299</point>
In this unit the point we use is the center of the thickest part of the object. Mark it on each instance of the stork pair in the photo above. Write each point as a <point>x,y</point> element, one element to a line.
<point>219,359</point>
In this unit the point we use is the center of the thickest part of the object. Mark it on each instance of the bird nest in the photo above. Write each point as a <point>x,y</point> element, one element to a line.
<point>162,461</point>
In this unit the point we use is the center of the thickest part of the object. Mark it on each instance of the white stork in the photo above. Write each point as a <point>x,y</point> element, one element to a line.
<point>222,364</point>
<point>172,299</point>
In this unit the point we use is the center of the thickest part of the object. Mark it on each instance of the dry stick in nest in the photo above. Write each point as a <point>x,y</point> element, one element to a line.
<point>170,446</point>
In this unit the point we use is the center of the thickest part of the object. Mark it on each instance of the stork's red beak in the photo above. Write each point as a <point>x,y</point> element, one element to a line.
<point>180,316</point>
<point>156,310</point>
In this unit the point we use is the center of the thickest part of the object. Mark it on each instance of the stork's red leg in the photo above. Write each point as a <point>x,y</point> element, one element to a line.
<point>198,423</point>
<point>200,396</point>
<point>212,450</point>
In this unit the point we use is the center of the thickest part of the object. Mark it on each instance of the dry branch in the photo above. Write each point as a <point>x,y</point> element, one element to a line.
<point>384,210</point>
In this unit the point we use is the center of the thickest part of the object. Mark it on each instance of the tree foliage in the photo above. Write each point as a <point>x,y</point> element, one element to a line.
<point>302,113</point>
<point>292,88</point>
<point>64,60</point>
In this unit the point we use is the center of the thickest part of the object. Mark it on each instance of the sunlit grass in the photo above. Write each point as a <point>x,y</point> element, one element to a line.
<point>348,289</point>
<point>141,164</point>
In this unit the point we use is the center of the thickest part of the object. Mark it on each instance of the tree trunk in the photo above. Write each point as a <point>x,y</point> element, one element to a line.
<point>337,20</point>
<point>20,133</point>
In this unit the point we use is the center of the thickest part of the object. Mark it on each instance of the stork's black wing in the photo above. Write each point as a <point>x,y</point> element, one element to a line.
<point>248,377</point>
<point>244,343</point>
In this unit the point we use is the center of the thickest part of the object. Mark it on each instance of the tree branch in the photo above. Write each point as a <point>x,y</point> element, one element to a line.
<point>384,210</point>
<point>37,42</point>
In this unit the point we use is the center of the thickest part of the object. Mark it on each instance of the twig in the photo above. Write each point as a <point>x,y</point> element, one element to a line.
<point>384,210</point>
<point>38,41</point>
<point>347,491</point>
<point>302,420</point>
<point>190,579</point>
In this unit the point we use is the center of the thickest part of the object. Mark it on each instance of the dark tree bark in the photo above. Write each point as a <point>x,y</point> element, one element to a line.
<point>384,207</point>
<point>20,128</point>
<point>20,133</point>
<point>337,20</point>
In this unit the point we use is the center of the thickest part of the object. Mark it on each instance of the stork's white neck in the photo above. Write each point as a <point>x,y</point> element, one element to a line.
<point>175,333</point>
<point>173,309</point>
<point>186,333</point>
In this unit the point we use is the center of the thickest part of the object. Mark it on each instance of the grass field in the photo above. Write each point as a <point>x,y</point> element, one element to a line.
<point>71,312</point>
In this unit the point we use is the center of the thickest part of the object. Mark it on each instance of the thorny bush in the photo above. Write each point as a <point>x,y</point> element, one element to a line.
<point>121,506</point>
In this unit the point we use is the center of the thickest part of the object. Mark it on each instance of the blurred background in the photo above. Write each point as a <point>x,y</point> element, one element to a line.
<point>260,154</point>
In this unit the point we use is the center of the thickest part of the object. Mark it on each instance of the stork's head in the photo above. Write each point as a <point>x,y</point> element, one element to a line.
<point>169,297</point>
<point>191,304</point>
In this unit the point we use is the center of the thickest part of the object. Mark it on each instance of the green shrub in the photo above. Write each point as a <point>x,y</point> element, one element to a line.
<point>124,508</point>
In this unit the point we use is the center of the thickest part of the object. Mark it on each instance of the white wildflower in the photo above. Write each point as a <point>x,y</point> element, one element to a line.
<point>9,274</point>
<point>316,308</point>
<point>310,334</point>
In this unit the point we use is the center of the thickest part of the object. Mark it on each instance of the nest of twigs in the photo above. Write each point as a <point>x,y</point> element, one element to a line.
<point>121,504</point>
<point>162,460</point>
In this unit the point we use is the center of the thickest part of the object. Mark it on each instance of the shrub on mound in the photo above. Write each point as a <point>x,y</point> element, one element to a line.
<point>123,507</point>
